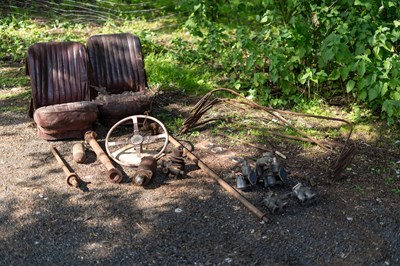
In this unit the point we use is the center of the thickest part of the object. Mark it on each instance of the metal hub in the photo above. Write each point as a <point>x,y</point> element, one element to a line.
<point>136,139</point>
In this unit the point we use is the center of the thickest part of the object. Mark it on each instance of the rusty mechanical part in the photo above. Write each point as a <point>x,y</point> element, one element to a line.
<point>78,152</point>
<point>269,169</point>
<point>113,174</point>
<point>128,145</point>
<point>303,194</point>
<point>346,152</point>
<point>173,165</point>
<point>276,204</point>
<point>145,172</point>
<point>233,192</point>
<point>72,179</point>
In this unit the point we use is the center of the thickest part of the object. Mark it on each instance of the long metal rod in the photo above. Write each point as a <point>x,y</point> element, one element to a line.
<point>72,179</point>
<point>233,192</point>
<point>113,174</point>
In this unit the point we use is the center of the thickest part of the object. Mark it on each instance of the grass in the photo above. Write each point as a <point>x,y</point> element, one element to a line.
<point>16,109</point>
<point>14,92</point>
<point>14,102</point>
<point>165,72</point>
<point>16,97</point>
<point>14,82</point>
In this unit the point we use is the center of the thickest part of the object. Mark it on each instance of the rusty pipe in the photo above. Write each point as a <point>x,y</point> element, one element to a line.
<point>72,179</point>
<point>233,192</point>
<point>113,174</point>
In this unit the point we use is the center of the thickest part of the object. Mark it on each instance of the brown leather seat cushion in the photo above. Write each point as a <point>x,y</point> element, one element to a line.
<point>115,107</point>
<point>63,121</point>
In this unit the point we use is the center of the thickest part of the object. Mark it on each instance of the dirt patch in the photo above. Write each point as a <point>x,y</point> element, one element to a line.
<point>192,220</point>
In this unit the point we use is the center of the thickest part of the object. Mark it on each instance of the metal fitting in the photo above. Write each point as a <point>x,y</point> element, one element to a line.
<point>303,194</point>
<point>270,171</point>
<point>78,153</point>
<point>145,172</point>
<point>174,164</point>
<point>276,204</point>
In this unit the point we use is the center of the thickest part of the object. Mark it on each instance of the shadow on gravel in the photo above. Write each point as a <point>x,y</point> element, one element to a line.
<point>9,118</point>
<point>190,221</point>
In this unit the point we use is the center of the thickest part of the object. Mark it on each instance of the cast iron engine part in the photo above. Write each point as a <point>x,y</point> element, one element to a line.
<point>72,179</point>
<point>174,164</point>
<point>247,178</point>
<point>270,171</point>
<point>241,183</point>
<point>248,173</point>
<point>78,152</point>
<point>276,204</point>
<point>113,174</point>
<point>303,194</point>
<point>145,172</point>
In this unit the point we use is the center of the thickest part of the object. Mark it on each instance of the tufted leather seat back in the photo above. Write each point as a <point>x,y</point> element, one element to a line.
<point>116,63</point>
<point>58,73</point>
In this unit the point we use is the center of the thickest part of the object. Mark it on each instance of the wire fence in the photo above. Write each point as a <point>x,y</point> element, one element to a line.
<point>94,11</point>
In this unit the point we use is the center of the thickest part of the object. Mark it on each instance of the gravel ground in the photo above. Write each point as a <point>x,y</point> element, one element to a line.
<point>192,220</point>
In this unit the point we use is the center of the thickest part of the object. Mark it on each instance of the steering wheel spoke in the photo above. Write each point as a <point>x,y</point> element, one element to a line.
<point>135,125</point>
<point>154,138</point>
<point>117,143</point>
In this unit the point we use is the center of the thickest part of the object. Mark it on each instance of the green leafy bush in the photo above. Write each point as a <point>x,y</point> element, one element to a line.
<point>280,52</point>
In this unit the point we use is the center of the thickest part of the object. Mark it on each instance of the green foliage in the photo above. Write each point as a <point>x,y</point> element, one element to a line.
<point>280,52</point>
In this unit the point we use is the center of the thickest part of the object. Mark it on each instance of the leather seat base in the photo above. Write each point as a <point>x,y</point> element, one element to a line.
<point>64,121</point>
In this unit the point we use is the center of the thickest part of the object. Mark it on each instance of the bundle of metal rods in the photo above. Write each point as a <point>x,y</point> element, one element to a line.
<point>205,104</point>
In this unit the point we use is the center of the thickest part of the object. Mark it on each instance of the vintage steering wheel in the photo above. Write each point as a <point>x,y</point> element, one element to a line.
<point>146,136</point>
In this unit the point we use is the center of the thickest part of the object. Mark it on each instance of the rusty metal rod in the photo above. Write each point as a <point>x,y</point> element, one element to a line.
<point>233,192</point>
<point>113,174</point>
<point>72,179</point>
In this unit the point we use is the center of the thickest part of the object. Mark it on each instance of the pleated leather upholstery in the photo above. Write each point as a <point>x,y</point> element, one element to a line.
<point>58,73</point>
<point>116,63</point>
